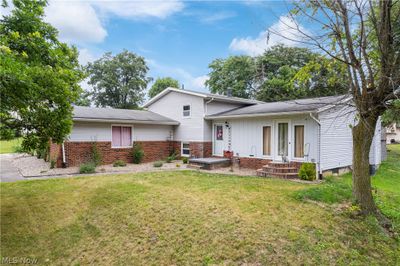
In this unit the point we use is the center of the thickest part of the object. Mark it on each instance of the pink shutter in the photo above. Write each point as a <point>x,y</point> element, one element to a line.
<point>116,136</point>
<point>126,136</point>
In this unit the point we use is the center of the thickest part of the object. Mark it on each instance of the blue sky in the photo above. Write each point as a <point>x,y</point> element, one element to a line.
<point>177,38</point>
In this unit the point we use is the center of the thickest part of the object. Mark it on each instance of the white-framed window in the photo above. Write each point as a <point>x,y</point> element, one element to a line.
<point>121,136</point>
<point>266,138</point>
<point>185,149</point>
<point>186,110</point>
<point>298,141</point>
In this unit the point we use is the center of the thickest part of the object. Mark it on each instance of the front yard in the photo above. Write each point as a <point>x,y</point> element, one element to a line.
<point>187,217</point>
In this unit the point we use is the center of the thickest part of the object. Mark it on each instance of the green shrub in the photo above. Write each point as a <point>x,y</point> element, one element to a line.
<point>137,153</point>
<point>119,163</point>
<point>96,155</point>
<point>18,149</point>
<point>158,164</point>
<point>307,171</point>
<point>87,168</point>
<point>185,160</point>
<point>178,165</point>
<point>52,163</point>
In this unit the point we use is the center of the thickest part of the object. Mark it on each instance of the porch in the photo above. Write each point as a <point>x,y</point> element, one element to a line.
<point>209,163</point>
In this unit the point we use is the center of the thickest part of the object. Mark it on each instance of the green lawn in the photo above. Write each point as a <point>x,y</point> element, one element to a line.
<point>191,218</point>
<point>9,146</point>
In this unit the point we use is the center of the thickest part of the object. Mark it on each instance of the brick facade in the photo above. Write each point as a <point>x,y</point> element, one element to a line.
<point>200,149</point>
<point>253,163</point>
<point>77,153</point>
<point>55,153</point>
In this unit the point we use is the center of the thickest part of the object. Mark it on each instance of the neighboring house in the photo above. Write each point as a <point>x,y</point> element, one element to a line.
<point>200,125</point>
<point>393,133</point>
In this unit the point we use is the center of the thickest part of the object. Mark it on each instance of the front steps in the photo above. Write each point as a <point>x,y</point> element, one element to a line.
<point>280,170</point>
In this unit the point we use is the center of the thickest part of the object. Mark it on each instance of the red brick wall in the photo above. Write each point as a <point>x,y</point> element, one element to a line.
<point>253,163</point>
<point>55,153</point>
<point>200,149</point>
<point>77,153</point>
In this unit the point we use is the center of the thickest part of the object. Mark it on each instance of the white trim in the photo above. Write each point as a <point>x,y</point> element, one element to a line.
<point>169,89</point>
<point>276,137</point>
<point>121,125</point>
<point>255,115</point>
<point>214,138</point>
<point>185,155</point>
<point>121,121</point>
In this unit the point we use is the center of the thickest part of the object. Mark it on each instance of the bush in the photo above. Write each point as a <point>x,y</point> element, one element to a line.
<point>185,160</point>
<point>119,163</point>
<point>178,165</point>
<point>307,171</point>
<point>87,168</point>
<point>158,164</point>
<point>137,153</point>
<point>96,156</point>
<point>18,149</point>
<point>52,163</point>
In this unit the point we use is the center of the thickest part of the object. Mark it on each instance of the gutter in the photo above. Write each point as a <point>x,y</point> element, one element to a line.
<point>319,170</point>
<point>212,99</point>
<point>126,121</point>
<point>255,115</point>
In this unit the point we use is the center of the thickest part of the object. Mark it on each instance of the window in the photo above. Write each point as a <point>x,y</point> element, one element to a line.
<point>121,136</point>
<point>186,110</point>
<point>185,149</point>
<point>283,139</point>
<point>299,141</point>
<point>219,133</point>
<point>267,140</point>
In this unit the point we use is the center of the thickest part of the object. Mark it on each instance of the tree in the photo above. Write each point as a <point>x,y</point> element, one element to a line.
<point>39,77</point>
<point>235,73</point>
<point>392,115</point>
<point>365,37</point>
<point>84,99</point>
<point>161,84</point>
<point>118,81</point>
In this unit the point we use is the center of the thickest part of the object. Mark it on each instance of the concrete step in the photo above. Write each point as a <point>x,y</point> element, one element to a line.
<point>280,169</point>
<point>195,166</point>
<point>262,173</point>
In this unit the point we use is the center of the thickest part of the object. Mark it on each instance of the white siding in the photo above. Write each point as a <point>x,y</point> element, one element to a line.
<point>336,137</point>
<point>246,135</point>
<point>190,128</point>
<point>215,107</point>
<point>375,155</point>
<point>85,131</point>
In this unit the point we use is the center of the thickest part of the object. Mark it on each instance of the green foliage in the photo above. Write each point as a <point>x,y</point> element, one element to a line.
<point>95,155</point>
<point>119,163</point>
<point>185,160</point>
<point>235,73</point>
<point>84,99</point>
<point>392,115</point>
<point>161,84</point>
<point>39,77</point>
<point>307,171</point>
<point>333,190</point>
<point>171,158</point>
<point>158,164</point>
<point>118,81</point>
<point>52,163</point>
<point>137,153</point>
<point>87,168</point>
<point>178,165</point>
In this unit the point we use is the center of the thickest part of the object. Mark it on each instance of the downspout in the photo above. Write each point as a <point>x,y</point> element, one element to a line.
<point>63,154</point>
<point>319,171</point>
<point>212,99</point>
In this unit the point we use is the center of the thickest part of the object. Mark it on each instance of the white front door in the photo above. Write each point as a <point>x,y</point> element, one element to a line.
<point>218,140</point>
<point>282,140</point>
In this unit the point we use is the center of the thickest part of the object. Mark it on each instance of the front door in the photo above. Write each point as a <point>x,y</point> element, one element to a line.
<point>282,141</point>
<point>218,143</point>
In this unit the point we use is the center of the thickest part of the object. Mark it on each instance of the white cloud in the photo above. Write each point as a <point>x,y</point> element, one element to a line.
<point>140,9</point>
<point>215,17</point>
<point>255,46</point>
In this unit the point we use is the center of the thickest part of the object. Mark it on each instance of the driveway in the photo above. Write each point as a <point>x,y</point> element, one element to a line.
<point>8,172</point>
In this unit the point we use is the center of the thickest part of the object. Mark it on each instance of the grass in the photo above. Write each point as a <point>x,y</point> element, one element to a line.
<point>386,186</point>
<point>9,146</point>
<point>184,217</point>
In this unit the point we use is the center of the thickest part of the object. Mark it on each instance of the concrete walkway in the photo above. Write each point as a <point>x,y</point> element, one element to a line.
<point>8,172</point>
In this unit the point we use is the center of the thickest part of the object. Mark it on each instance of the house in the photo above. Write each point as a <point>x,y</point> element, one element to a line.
<point>200,125</point>
<point>393,133</point>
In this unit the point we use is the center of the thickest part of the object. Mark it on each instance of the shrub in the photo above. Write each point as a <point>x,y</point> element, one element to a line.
<point>119,163</point>
<point>307,171</point>
<point>18,149</point>
<point>87,168</point>
<point>185,160</point>
<point>178,165</point>
<point>137,153</point>
<point>52,163</point>
<point>96,156</point>
<point>158,164</point>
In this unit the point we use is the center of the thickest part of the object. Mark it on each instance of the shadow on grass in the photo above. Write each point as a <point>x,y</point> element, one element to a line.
<point>333,190</point>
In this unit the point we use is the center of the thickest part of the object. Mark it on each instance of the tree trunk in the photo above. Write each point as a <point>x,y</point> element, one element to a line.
<point>363,134</point>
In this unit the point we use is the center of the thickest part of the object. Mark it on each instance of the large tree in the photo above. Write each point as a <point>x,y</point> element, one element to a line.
<point>39,77</point>
<point>236,73</point>
<point>365,37</point>
<point>161,84</point>
<point>118,81</point>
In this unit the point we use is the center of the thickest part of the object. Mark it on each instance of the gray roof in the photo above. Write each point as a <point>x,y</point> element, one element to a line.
<point>92,114</point>
<point>293,106</point>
